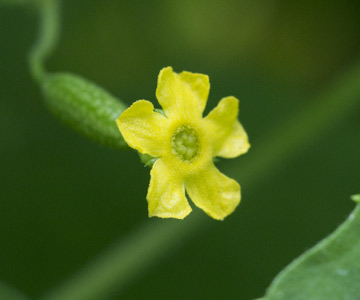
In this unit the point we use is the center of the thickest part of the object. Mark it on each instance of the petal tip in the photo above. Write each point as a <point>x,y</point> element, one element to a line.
<point>215,193</point>
<point>135,106</point>
<point>169,214</point>
<point>165,70</point>
<point>134,109</point>
<point>231,101</point>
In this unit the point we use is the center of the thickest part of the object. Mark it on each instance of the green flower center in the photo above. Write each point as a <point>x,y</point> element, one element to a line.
<point>185,143</point>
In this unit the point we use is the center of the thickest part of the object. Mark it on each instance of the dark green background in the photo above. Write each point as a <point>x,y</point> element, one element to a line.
<point>64,199</point>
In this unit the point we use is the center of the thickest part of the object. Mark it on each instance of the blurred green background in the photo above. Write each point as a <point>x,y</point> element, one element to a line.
<point>64,199</point>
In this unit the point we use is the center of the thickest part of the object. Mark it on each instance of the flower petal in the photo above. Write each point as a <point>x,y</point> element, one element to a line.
<point>229,138</point>
<point>166,194</point>
<point>143,129</point>
<point>182,95</point>
<point>199,84</point>
<point>213,192</point>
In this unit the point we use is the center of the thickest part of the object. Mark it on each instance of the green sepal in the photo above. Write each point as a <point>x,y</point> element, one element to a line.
<point>84,106</point>
<point>147,160</point>
<point>216,159</point>
<point>160,111</point>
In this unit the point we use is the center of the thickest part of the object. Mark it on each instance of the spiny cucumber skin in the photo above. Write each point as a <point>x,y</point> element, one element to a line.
<point>84,106</point>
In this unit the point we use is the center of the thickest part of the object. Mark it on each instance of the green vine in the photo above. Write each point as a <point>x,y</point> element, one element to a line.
<point>49,29</point>
<point>76,101</point>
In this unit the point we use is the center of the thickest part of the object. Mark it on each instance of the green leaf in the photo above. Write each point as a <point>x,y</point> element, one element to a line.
<point>84,106</point>
<point>330,270</point>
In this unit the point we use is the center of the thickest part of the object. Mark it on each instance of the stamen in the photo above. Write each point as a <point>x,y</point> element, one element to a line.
<point>185,143</point>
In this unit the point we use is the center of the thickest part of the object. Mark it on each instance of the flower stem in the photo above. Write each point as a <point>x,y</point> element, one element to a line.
<point>49,28</point>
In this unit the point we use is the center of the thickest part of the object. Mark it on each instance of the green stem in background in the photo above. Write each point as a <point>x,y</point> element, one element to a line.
<point>128,258</point>
<point>10,293</point>
<point>112,271</point>
<point>49,28</point>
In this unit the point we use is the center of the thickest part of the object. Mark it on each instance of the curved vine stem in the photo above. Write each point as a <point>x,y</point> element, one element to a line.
<point>49,28</point>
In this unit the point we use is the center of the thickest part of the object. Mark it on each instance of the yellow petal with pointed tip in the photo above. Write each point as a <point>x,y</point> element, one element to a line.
<point>143,129</point>
<point>213,192</point>
<point>200,86</point>
<point>228,137</point>
<point>166,194</point>
<point>182,95</point>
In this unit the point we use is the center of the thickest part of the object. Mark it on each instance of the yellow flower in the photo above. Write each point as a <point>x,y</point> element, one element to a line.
<point>185,144</point>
